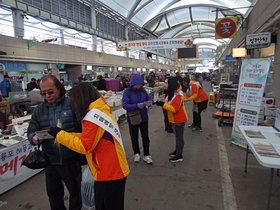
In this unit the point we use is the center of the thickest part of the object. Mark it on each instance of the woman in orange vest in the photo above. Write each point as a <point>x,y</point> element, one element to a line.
<point>177,115</point>
<point>200,101</point>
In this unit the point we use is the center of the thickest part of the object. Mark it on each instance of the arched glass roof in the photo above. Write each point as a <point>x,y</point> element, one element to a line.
<point>180,18</point>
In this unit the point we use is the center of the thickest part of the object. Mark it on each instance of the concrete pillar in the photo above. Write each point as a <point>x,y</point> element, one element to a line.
<point>61,37</point>
<point>93,25</point>
<point>18,21</point>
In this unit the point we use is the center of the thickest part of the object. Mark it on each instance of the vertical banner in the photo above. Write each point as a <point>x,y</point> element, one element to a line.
<point>253,75</point>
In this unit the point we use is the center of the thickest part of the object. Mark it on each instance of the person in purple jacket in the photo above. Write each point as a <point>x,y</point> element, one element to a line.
<point>135,97</point>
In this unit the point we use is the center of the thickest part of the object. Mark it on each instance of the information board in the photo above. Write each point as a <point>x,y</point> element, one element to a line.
<point>253,75</point>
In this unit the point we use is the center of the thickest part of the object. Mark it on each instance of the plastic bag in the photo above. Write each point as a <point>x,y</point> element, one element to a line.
<point>87,189</point>
<point>36,159</point>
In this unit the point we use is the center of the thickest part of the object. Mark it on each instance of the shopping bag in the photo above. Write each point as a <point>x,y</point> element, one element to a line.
<point>36,159</point>
<point>87,189</point>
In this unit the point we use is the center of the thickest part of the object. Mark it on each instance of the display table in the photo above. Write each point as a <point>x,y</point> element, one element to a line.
<point>118,113</point>
<point>12,172</point>
<point>266,161</point>
<point>113,84</point>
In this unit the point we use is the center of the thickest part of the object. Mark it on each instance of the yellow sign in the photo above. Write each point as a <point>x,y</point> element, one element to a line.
<point>239,52</point>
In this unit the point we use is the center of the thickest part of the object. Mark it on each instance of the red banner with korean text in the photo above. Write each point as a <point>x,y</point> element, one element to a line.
<point>226,27</point>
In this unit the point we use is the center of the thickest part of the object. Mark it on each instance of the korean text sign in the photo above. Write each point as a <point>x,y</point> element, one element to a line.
<point>252,81</point>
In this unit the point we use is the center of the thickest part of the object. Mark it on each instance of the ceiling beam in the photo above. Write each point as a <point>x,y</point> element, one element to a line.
<point>141,7</point>
<point>166,19</point>
<point>132,10</point>
<point>191,16</point>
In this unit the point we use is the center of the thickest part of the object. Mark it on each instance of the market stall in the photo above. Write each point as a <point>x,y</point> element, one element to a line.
<point>13,151</point>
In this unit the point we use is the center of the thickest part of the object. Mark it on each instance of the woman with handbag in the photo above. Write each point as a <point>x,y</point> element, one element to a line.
<point>177,115</point>
<point>135,101</point>
<point>102,144</point>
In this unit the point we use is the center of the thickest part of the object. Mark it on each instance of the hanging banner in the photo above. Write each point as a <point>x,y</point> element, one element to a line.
<point>252,81</point>
<point>154,44</point>
<point>226,27</point>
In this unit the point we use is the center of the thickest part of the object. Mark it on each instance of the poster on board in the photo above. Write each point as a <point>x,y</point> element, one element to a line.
<point>253,75</point>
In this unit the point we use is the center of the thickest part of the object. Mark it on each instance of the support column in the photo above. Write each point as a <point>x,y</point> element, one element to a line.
<point>18,21</point>
<point>276,73</point>
<point>93,25</point>
<point>102,47</point>
<point>127,38</point>
<point>61,37</point>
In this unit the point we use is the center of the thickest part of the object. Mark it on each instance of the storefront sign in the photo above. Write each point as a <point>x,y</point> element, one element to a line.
<point>225,27</point>
<point>154,44</point>
<point>229,58</point>
<point>252,81</point>
<point>12,66</point>
<point>239,52</point>
<point>259,40</point>
<point>267,51</point>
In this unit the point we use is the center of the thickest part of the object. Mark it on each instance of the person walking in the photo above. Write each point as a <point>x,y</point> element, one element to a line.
<point>64,163</point>
<point>101,142</point>
<point>5,86</point>
<point>135,98</point>
<point>200,101</point>
<point>177,115</point>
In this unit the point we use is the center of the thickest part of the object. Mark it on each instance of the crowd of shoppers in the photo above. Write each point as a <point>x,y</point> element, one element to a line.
<point>88,127</point>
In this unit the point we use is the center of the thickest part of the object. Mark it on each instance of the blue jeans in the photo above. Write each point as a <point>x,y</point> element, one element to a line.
<point>178,130</point>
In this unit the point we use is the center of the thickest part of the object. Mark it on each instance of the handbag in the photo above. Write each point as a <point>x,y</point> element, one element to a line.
<point>135,117</point>
<point>36,159</point>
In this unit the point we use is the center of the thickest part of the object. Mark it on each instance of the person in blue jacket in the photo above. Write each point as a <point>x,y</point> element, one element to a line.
<point>5,86</point>
<point>135,97</point>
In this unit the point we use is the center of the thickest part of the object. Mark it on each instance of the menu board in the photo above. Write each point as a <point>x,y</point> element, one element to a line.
<point>253,77</point>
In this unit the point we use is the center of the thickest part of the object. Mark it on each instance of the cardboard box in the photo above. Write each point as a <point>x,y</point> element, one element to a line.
<point>266,101</point>
<point>4,105</point>
<point>270,110</point>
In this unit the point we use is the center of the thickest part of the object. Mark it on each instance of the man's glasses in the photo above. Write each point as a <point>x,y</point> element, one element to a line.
<point>47,92</point>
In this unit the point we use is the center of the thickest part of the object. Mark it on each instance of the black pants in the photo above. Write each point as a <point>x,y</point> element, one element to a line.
<point>109,195</point>
<point>197,114</point>
<point>167,124</point>
<point>70,174</point>
<point>144,129</point>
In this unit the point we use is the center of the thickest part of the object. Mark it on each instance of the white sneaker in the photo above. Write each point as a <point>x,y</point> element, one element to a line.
<point>148,159</point>
<point>136,158</point>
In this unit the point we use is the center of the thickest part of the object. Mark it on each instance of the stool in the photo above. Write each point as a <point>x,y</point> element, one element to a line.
<point>211,98</point>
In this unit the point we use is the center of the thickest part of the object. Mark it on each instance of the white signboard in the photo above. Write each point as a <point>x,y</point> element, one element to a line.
<point>12,172</point>
<point>277,120</point>
<point>252,81</point>
<point>259,40</point>
<point>154,44</point>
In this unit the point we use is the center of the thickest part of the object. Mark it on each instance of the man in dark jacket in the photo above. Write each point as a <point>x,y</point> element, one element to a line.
<point>101,85</point>
<point>136,98</point>
<point>57,110</point>
<point>32,84</point>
